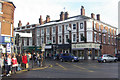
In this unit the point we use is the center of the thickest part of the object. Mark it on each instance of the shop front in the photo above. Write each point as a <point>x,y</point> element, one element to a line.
<point>86,50</point>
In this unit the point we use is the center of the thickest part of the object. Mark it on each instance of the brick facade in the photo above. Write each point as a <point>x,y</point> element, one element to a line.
<point>7,18</point>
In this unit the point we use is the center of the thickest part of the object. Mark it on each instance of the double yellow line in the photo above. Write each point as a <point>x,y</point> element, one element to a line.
<point>61,66</point>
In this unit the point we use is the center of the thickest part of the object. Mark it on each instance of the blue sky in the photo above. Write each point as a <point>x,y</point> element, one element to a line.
<point>30,10</point>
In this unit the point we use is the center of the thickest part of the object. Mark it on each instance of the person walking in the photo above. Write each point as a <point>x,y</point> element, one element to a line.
<point>19,60</point>
<point>2,65</point>
<point>38,59</point>
<point>8,65</point>
<point>14,64</point>
<point>24,60</point>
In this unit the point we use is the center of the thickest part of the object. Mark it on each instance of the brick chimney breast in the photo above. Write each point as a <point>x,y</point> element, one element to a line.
<point>19,24</point>
<point>66,15</point>
<point>62,17</point>
<point>98,17</point>
<point>82,11</point>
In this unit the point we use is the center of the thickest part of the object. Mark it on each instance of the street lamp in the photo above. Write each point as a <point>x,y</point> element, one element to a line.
<point>70,41</point>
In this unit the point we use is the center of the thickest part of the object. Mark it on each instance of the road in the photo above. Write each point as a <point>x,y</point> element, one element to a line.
<point>81,69</point>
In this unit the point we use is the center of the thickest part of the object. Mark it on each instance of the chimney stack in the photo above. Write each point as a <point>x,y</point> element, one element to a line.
<point>40,20</point>
<point>66,15</point>
<point>27,23</point>
<point>93,15</point>
<point>82,11</point>
<point>47,18</point>
<point>62,16</point>
<point>19,24</point>
<point>98,17</point>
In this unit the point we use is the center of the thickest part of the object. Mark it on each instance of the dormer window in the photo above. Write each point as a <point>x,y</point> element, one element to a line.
<point>74,26</point>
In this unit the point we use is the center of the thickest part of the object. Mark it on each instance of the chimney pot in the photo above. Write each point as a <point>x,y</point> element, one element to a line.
<point>19,24</point>
<point>82,11</point>
<point>40,20</point>
<point>93,15</point>
<point>98,17</point>
<point>47,18</point>
<point>62,16</point>
<point>66,15</point>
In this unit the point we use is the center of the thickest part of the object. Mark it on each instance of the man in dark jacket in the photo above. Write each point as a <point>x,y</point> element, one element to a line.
<point>19,59</point>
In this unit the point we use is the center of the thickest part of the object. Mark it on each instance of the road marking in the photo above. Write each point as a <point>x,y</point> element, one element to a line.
<point>61,66</point>
<point>50,65</point>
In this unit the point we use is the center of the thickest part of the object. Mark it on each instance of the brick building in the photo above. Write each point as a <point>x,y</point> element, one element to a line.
<point>89,37</point>
<point>6,23</point>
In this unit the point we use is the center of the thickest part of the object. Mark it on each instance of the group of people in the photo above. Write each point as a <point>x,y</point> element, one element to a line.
<point>12,63</point>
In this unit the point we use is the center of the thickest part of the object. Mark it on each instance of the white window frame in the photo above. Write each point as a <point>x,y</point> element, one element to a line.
<point>47,40</point>
<point>42,32</point>
<point>80,36</point>
<point>75,37</point>
<point>41,40</point>
<point>95,26</point>
<point>48,31</point>
<point>38,32</point>
<point>59,39</point>
<point>104,38</point>
<point>65,40</point>
<point>108,40</point>
<point>53,30</point>
<point>74,30</point>
<point>59,29</point>
<point>30,41</point>
<point>1,8</point>
<point>52,39</point>
<point>65,29</point>
<point>80,26</point>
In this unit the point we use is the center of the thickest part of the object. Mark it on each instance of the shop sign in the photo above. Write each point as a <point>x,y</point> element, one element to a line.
<point>8,47</point>
<point>86,45</point>
<point>7,39</point>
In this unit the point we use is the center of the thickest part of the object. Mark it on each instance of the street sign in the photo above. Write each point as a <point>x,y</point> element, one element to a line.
<point>8,47</point>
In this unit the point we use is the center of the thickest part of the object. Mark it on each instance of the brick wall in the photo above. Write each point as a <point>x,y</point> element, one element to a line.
<point>7,18</point>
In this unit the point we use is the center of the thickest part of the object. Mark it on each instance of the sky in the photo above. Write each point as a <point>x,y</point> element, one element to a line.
<point>30,10</point>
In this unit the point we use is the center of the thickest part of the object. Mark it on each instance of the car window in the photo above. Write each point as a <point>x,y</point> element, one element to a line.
<point>109,56</point>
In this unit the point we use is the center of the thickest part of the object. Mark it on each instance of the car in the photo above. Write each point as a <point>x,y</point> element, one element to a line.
<point>118,56</point>
<point>107,58</point>
<point>68,57</point>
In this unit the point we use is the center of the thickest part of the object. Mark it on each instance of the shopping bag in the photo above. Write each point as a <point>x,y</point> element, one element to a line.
<point>27,65</point>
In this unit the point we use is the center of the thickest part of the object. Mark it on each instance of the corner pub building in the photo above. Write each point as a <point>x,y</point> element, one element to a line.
<point>89,37</point>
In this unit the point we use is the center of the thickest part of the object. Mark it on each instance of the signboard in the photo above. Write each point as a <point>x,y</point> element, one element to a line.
<point>24,34</point>
<point>8,48</point>
<point>7,39</point>
<point>86,45</point>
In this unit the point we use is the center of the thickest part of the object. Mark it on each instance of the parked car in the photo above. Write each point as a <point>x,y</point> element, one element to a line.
<point>68,57</point>
<point>56,57</point>
<point>118,56</point>
<point>107,58</point>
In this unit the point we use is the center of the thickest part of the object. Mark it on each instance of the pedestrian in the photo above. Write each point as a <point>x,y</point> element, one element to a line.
<point>19,59</point>
<point>8,65</point>
<point>24,60</point>
<point>14,64</point>
<point>41,59</point>
<point>28,58</point>
<point>2,65</point>
<point>38,59</point>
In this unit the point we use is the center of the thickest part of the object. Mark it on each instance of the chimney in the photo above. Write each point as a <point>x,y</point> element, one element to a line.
<point>40,20</point>
<point>62,16</point>
<point>93,15</point>
<point>98,17</point>
<point>27,23</point>
<point>66,15</point>
<point>19,24</point>
<point>47,18</point>
<point>82,11</point>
